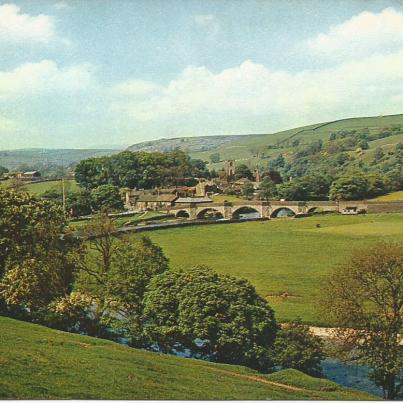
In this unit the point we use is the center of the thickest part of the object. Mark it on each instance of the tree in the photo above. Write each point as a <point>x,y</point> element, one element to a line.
<point>378,154</point>
<point>134,264</point>
<point>268,187</point>
<point>35,283</point>
<point>297,347</point>
<point>106,197</point>
<point>242,171</point>
<point>349,187</point>
<point>3,170</point>
<point>293,190</point>
<point>38,255</point>
<point>79,203</point>
<point>277,163</point>
<point>363,144</point>
<point>248,190</point>
<point>102,243</point>
<point>28,227</point>
<point>214,316</point>
<point>214,158</point>
<point>365,300</point>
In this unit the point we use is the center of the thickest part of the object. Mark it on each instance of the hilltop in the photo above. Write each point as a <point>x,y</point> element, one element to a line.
<point>188,144</point>
<point>41,363</point>
<point>257,148</point>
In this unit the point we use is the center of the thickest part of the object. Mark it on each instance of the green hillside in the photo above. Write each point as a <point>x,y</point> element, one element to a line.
<point>40,363</point>
<point>254,149</point>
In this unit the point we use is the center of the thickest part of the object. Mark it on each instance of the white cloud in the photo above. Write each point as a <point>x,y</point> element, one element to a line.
<point>6,124</point>
<point>45,76</point>
<point>135,88</point>
<point>251,97</point>
<point>362,34</point>
<point>16,27</point>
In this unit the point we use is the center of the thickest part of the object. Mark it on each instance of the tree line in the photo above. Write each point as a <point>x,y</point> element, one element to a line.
<point>141,170</point>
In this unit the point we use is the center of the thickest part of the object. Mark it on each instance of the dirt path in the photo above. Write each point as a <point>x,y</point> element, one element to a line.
<point>262,380</point>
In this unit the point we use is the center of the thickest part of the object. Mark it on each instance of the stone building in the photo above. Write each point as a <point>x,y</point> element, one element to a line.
<point>229,168</point>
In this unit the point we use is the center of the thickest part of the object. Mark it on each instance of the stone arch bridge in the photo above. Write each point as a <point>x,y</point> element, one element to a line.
<point>265,209</point>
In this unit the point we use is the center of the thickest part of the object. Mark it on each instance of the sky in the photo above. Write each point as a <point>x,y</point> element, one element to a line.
<point>102,73</point>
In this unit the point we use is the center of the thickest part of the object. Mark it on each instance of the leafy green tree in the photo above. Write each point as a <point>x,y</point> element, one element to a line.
<point>378,154</point>
<point>38,256</point>
<point>3,170</point>
<point>269,189</point>
<point>214,158</point>
<point>293,190</point>
<point>134,264</point>
<point>28,227</point>
<point>349,187</point>
<point>363,144</point>
<point>242,171</point>
<point>297,347</point>
<point>365,300</point>
<point>248,190</point>
<point>34,283</point>
<point>277,164</point>
<point>140,170</point>
<point>214,316</point>
<point>79,203</point>
<point>106,197</point>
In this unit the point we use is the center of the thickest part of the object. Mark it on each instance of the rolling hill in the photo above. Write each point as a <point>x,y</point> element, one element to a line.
<point>32,157</point>
<point>41,363</point>
<point>258,148</point>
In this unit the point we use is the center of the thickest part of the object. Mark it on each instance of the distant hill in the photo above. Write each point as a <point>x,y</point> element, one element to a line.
<point>188,144</point>
<point>41,363</point>
<point>12,159</point>
<point>255,149</point>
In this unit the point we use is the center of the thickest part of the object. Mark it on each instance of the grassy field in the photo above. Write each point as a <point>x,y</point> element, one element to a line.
<point>395,196</point>
<point>41,187</point>
<point>280,256</point>
<point>40,363</point>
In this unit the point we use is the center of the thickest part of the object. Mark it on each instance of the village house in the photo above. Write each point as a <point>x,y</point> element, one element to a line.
<point>29,176</point>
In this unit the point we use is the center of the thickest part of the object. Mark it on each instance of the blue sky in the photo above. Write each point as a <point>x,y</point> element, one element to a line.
<point>91,73</point>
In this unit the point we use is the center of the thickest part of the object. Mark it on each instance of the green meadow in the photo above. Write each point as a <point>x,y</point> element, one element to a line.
<point>41,363</point>
<point>37,188</point>
<point>286,260</point>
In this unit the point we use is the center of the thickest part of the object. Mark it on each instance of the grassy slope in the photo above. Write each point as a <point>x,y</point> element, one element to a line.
<point>291,255</point>
<point>41,187</point>
<point>40,363</point>
<point>395,196</point>
<point>241,149</point>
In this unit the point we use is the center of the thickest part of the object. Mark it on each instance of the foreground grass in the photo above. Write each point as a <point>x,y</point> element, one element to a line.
<point>40,363</point>
<point>280,256</point>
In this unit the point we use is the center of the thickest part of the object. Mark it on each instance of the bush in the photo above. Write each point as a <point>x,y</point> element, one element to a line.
<point>298,348</point>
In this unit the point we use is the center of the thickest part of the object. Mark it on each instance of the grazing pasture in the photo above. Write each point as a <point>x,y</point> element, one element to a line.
<point>285,259</point>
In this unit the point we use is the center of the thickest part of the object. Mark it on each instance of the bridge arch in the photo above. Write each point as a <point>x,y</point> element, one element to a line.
<point>209,212</point>
<point>282,212</point>
<point>236,214</point>
<point>182,214</point>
